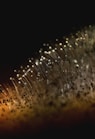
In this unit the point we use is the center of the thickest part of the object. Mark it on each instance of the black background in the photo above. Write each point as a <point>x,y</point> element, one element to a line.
<point>25,27</point>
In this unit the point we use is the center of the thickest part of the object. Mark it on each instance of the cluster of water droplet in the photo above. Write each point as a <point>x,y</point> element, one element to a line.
<point>65,67</point>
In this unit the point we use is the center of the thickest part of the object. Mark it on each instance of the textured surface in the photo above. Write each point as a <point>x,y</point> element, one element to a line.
<point>58,86</point>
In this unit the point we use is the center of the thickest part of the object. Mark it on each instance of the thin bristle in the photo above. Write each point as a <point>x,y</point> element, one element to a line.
<point>62,75</point>
<point>63,63</point>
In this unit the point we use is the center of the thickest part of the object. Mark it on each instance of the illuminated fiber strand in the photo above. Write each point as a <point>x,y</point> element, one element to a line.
<point>64,69</point>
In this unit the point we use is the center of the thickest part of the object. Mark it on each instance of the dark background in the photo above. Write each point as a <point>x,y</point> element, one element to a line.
<point>25,27</point>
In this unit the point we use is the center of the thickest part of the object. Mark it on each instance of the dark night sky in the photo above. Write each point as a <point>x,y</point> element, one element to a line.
<point>23,30</point>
